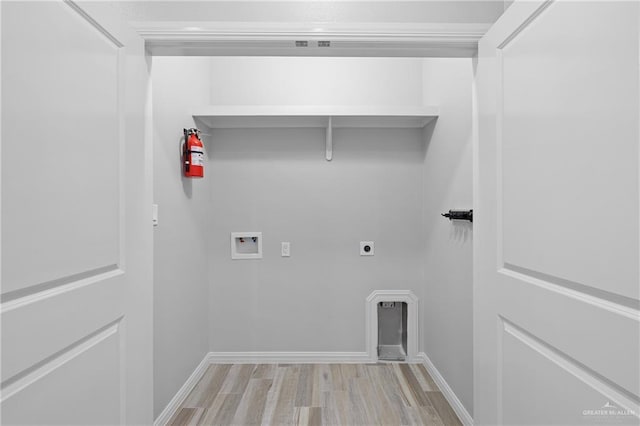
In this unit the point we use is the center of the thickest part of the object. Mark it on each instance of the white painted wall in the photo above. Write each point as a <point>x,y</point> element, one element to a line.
<point>316,81</point>
<point>180,241</point>
<point>447,327</point>
<point>276,181</point>
<point>432,11</point>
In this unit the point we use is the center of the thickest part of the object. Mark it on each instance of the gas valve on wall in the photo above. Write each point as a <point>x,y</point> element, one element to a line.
<point>192,154</point>
<point>459,215</point>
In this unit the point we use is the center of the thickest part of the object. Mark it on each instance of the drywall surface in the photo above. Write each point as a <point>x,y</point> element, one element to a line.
<point>180,240</point>
<point>433,11</point>
<point>277,181</point>
<point>316,81</point>
<point>447,327</point>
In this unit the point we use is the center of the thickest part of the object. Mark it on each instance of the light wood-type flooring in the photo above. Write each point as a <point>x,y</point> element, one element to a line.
<point>315,394</point>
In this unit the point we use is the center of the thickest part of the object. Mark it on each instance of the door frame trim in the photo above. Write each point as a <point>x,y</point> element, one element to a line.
<point>211,38</point>
<point>446,40</point>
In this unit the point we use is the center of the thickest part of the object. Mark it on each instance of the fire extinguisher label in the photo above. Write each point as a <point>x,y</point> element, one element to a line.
<point>197,156</point>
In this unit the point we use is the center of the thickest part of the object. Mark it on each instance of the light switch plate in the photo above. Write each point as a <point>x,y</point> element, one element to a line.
<point>367,248</point>
<point>154,209</point>
<point>286,249</point>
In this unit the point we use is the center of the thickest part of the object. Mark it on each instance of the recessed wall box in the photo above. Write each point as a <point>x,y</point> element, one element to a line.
<point>392,331</point>
<point>246,245</point>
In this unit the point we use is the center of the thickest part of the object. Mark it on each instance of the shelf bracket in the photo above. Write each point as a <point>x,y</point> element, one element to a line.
<point>329,140</point>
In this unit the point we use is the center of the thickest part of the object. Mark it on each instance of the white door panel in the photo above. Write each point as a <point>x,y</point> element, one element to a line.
<point>556,185</point>
<point>557,393</point>
<point>61,145</point>
<point>580,327</point>
<point>63,391</point>
<point>557,255</point>
<point>51,320</point>
<point>76,239</point>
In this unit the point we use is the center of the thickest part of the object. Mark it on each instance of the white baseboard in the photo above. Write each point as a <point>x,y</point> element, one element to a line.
<point>447,392</point>
<point>288,357</point>
<point>182,393</point>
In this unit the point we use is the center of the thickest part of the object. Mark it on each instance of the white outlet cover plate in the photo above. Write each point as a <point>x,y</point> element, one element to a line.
<point>286,249</point>
<point>364,244</point>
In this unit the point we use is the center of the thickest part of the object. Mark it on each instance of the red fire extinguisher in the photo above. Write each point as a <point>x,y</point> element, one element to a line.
<point>192,154</point>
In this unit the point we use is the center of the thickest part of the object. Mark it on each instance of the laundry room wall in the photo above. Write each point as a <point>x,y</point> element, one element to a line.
<point>277,181</point>
<point>447,323</point>
<point>181,246</point>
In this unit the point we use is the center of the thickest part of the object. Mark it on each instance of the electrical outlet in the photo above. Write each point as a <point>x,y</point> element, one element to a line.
<point>286,249</point>
<point>366,248</point>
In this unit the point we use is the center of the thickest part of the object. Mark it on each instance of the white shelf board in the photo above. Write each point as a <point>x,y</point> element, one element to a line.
<point>267,116</point>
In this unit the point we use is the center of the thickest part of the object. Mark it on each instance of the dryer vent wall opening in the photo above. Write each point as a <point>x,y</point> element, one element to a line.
<point>392,331</point>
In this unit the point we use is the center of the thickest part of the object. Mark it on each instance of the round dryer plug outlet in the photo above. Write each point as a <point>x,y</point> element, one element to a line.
<point>367,248</point>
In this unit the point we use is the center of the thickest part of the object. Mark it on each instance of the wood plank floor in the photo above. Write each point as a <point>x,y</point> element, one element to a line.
<point>315,394</point>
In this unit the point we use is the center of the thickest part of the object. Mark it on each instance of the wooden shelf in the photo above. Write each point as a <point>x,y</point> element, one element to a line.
<point>328,117</point>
